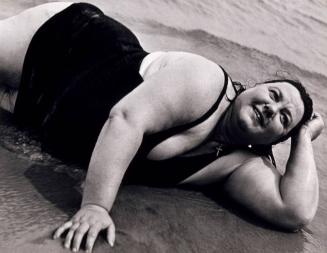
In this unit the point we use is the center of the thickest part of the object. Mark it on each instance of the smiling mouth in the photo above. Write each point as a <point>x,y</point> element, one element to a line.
<point>258,115</point>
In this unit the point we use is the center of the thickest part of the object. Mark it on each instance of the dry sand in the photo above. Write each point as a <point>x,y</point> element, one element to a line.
<point>37,194</point>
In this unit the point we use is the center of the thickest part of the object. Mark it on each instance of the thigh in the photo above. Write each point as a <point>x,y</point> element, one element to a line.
<point>15,35</point>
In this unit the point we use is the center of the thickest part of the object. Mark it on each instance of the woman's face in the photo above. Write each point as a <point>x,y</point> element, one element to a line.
<point>266,112</point>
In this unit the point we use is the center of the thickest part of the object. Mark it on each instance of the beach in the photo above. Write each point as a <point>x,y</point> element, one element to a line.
<point>39,192</point>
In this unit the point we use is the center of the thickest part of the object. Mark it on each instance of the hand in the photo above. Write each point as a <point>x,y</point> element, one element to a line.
<point>90,220</point>
<point>314,126</point>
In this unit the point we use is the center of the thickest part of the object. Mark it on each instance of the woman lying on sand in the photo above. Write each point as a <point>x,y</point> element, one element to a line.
<point>164,118</point>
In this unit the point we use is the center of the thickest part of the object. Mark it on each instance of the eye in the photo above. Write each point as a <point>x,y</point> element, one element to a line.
<point>273,95</point>
<point>284,120</point>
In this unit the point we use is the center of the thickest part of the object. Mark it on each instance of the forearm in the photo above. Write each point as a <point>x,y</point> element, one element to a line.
<point>299,186</point>
<point>117,144</point>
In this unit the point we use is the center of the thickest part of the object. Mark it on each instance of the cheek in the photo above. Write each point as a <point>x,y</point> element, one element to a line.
<point>247,119</point>
<point>274,131</point>
<point>266,135</point>
<point>241,118</point>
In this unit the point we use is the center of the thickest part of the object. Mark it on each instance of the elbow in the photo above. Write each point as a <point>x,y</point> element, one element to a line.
<point>119,114</point>
<point>297,218</point>
<point>298,214</point>
<point>125,121</point>
<point>298,223</point>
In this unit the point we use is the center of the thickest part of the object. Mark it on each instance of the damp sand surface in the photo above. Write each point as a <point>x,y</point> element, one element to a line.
<point>38,192</point>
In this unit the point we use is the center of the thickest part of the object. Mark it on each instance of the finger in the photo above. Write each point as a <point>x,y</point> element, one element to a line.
<point>62,229</point>
<point>70,235</point>
<point>79,234</point>
<point>92,235</point>
<point>111,234</point>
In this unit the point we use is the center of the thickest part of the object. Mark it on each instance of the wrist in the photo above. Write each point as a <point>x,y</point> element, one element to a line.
<point>96,206</point>
<point>304,135</point>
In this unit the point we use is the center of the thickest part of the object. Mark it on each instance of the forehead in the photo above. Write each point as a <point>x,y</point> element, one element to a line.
<point>291,99</point>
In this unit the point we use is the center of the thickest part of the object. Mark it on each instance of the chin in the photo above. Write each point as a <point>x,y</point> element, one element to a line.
<point>246,127</point>
<point>242,131</point>
<point>245,121</point>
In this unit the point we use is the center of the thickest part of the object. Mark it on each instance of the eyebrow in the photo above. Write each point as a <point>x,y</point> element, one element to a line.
<point>288,112</point>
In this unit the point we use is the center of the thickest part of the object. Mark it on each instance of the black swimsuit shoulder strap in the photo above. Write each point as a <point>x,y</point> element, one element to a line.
<point>214,106</point>
<point>152,140</point>
<point>208,113</point>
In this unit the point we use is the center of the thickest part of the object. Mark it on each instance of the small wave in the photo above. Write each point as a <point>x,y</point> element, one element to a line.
<point>313,18</point>
<point>206,37</point>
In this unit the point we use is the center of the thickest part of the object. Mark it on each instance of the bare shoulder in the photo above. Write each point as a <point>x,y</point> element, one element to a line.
<point>257,166</point>
<point>220,169</point>
<point>255,174</point>
<point>179,92</point>
<point>200,75</point>
<point>201,67</point>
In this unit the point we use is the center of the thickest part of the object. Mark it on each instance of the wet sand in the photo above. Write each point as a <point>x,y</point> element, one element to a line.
<point>37,192</point>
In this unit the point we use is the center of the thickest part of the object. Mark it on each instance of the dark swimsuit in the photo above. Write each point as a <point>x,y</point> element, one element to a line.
<point>79,64</point>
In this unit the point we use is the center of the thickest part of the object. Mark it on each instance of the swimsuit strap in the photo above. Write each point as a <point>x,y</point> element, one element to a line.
<point>152,140</point>
<point>212,109</point>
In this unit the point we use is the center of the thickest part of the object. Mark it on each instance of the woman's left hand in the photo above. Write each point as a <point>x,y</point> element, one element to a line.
<point>314,126</point>
<point>89,220</point>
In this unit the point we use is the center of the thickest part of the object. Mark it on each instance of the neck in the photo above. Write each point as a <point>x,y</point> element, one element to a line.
<point>224,132</point>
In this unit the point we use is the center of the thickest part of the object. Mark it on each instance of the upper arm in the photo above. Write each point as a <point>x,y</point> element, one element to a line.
<point>219,170</point>
<point>255,185</point>
<point>177,94</point>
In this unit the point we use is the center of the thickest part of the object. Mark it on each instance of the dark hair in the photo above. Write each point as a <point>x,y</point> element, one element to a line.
<point>266,150</point>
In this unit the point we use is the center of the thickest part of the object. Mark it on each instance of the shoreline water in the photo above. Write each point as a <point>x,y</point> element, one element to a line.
<point>292,30</point>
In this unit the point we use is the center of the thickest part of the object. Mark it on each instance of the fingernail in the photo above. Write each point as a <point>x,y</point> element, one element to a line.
<point>74,249</point>
<point>66,246</point>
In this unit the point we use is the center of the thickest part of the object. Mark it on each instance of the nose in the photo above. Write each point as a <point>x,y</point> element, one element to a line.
<point>270,110</point>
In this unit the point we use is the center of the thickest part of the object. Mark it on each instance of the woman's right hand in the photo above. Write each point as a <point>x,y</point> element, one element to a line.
<point>88,222</point>
<point>314,126</point>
